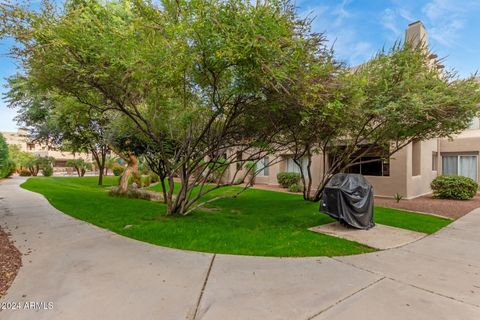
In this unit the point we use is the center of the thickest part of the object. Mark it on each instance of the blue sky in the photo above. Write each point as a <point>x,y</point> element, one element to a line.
<point>359,28</point>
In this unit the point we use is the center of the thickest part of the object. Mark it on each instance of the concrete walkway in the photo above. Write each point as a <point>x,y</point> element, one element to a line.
<point>89,273</point>
<point>379,237</point>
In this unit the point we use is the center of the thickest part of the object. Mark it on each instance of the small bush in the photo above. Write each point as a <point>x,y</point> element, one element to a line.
<point>131,193</point>
<point>145,181</point>
<point>397,196</point>
<point>454,187</point>
<point>286,179</point>
<point>153,177</point>
<point>11,169</point>
<point>24,173</point>
<point>295,188</point>
<point>47,171</point>
<point>118,170</point>
<point>137,178</point>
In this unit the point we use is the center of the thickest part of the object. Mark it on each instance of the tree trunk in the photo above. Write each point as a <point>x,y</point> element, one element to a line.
<point>100,176</point>
<point>132,166</point>
<point>101,167</point>
<point>164,189</point>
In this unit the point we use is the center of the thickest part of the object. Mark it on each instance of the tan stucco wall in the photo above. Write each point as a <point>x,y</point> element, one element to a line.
<point>20,138</point>
<point>383,186</point>
<point>420,184</point>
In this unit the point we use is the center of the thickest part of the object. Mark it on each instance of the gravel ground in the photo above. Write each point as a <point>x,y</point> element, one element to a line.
<point>10,262</point>
<point>448,208</point>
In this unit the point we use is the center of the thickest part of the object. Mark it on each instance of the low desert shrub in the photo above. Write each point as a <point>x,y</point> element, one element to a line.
<point>131,193</point>
<point>153,177</point>
<point>295,188</point>
<point>286,179</point>
<point>454,187</point>
<point>118,170</point>
<point>397,196</point>
<point>136,178</point>
<point>47,171</point>
<point>145,181</point>
<point>24,173</point>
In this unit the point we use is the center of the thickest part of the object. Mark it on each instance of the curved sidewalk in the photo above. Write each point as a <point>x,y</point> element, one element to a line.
<point>85,272</point>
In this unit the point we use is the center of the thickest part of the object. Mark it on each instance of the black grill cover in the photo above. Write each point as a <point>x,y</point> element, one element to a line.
<point>349,199</point>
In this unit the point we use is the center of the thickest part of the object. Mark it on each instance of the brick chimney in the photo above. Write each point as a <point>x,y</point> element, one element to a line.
<point>416,34</point>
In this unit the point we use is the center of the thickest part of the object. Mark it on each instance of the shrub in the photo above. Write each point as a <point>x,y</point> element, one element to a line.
<point>136,178</point>
<point>118,170</point>
<point>454,187</point>
<point>295,188</point>
<point>4,158</point>
<point>397,196</point>
<point>154,177</point>
<point>131,193</point>
<point>145,181</point>
<point>25,173</point>
<point>47,171</point>
<point>12,168</point>
<point>286,179</point>
<point>80,166</point>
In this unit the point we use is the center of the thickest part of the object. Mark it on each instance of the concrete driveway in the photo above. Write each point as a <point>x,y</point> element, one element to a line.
<point>73,270</point>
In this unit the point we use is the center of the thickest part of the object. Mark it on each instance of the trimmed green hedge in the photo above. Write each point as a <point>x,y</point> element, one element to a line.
<point>454,187</point>
<point>286,179</point>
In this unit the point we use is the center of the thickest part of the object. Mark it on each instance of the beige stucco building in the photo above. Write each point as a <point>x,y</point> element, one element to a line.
<point>408,172</point>
<point>22,140</point>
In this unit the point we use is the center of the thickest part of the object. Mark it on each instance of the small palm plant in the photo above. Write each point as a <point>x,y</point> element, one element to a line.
<point>397,196</point>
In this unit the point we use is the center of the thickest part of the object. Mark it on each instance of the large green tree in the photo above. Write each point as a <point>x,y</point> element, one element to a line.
<point>378,108</point>
<point>5,162</point>
<point>192,76</point>
<point>59,120</point>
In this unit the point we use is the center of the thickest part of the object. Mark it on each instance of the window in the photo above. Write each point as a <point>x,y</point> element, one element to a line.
<point>461,165</point>
<point>416,158</point>
<point>30,146</point>
<point>371,166</point>
<point>434,161</point>
<point>262,167</point>
<point>475,124</point>
<point>369,160</point>
<point>293,167</point>
<point>239,156</point>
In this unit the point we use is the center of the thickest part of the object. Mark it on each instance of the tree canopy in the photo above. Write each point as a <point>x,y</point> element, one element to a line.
<point>199,88</point>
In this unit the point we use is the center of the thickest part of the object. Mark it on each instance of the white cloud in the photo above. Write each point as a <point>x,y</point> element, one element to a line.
<point>341,13</point>
<point>389,21</point>
<point>447,18</point>
<point>339,25</point>
<point>405,14</point>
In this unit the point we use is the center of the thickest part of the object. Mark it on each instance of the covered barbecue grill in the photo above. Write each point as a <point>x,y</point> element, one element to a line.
<point>349,199</point>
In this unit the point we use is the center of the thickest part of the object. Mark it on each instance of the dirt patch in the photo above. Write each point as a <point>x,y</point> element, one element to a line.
<point>10,262</point>
<point>448,208</point>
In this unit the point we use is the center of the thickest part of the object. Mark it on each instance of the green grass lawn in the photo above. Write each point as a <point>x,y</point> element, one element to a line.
<point>258,222</point>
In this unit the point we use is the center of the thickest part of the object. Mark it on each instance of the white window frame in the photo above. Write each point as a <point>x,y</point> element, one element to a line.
<point>298,169</point>
<point>474,124</point>
<point>459,163</point>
